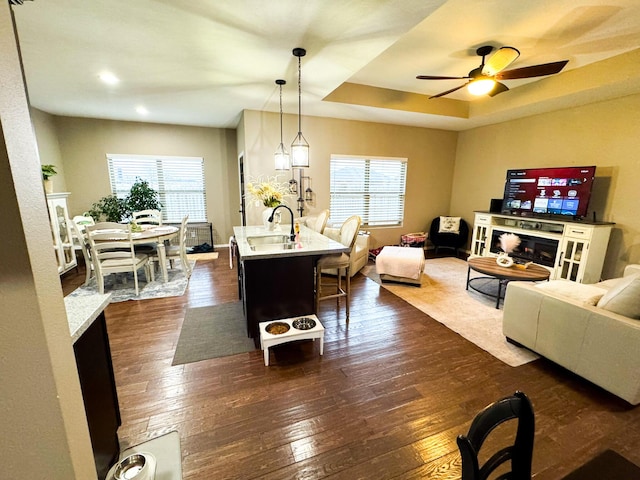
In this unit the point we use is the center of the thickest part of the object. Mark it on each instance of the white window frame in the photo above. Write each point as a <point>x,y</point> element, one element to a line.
<point>178,180</point>
<point>372,187</point>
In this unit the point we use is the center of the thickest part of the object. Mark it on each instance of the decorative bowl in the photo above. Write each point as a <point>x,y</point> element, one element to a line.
<point>277,328</point>
<point>304,323</point>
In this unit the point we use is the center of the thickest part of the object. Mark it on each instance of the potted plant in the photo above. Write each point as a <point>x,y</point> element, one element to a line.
<point>48,171</point>
<point>114,209</point>
<point>142,197</point>
<point>109,209</point>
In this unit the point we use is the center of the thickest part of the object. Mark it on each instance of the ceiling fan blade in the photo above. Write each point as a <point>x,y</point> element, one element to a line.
<point>532,71</point>
<point>442,94</point>
<point>500,60</point>
<point>499,88</point>
<point>436,77</point>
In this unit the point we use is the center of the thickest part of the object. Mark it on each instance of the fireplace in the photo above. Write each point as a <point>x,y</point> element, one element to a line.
<point>531,249</point>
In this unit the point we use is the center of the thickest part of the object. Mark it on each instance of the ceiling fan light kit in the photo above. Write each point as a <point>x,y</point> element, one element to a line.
<point>483,80</point>
<point>481,86</point>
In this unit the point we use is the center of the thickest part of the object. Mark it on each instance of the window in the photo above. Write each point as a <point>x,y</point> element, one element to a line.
<point>178,180</point>
<point>370,187</point>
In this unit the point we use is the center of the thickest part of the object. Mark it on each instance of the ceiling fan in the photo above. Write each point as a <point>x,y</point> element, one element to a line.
<point>484,79</point>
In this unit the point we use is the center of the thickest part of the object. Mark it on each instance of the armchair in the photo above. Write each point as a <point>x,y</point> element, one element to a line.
<point>452,238</point>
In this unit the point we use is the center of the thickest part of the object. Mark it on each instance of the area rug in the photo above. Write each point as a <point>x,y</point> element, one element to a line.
<point>122,292</point>
<point>203,256</point>
<point>608,464</point>
<point>212,332</point>
<point>470,314</point>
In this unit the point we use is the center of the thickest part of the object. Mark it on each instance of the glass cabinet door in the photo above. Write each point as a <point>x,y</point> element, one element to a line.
<point>479,240</point>
<point>571,260</point>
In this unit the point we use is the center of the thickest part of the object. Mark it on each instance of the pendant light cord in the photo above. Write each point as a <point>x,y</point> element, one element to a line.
<point>299,97</point>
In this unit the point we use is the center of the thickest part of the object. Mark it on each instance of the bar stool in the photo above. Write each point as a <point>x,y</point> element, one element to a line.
<point>347,236</point>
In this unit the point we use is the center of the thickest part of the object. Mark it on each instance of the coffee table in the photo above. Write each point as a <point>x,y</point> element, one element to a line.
<point>504,275</point>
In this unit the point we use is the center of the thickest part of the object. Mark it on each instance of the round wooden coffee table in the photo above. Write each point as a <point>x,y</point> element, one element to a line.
<point>504,275</point>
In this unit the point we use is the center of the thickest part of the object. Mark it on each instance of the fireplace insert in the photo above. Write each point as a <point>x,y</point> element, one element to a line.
<point>531,249</point>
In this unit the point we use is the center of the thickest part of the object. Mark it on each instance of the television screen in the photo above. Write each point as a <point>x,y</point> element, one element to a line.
<point>548,191</point>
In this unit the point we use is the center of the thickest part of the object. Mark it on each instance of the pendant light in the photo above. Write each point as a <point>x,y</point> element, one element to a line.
<point>299,147</point>
<point>281,156</point>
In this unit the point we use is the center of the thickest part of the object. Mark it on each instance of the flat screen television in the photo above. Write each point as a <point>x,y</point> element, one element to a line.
<point>547,192</point>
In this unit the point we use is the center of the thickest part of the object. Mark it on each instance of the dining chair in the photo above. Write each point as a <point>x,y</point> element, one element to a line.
<point>173,252</point>
<point>80,237</point>
<point>112,252</point>
<point>321,221</point>
<point>341,262</point>
<point>518,454</point>
<point>147,217</point>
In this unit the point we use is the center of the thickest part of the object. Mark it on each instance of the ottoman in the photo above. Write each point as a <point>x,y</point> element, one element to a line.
<point>401,264</point>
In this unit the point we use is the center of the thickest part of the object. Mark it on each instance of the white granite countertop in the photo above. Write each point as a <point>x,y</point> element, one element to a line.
<point>82,311</point>
<point>311,243</point>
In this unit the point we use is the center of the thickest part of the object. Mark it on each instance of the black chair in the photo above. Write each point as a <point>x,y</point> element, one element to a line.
<point>446,239</point>
<point>520,453</point>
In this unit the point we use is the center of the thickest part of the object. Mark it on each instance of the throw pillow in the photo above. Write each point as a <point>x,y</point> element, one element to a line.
<point>623,298</point>
<point>449,225</point>
<point>587,294</point>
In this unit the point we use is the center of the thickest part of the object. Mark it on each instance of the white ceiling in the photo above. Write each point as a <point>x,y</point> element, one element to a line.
<point>202,62</point>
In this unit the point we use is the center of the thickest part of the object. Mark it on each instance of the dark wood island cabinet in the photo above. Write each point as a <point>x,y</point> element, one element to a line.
<point>97,381</point>
<point>279,283</point>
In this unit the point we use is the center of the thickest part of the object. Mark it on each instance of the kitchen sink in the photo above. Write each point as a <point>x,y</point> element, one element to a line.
<point>270,243</point>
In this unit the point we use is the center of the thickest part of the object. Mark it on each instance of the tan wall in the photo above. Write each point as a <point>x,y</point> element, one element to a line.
<point>430,153</point>
<point>48,146</point>
<point>44,426</point>
<point>604,134</point>
<point>84,144</point>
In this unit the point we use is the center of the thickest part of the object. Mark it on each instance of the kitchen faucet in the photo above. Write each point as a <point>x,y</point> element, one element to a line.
<point>292,236</point>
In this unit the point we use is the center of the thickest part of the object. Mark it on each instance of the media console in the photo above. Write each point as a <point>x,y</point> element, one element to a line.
<point>572,250</point>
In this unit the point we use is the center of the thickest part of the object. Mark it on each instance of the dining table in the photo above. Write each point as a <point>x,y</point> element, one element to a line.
<point>156,235</point>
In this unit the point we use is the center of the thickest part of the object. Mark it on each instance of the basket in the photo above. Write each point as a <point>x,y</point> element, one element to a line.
<point>416,239</point>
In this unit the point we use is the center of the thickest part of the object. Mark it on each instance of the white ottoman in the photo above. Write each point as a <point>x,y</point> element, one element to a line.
<point>401,264</point>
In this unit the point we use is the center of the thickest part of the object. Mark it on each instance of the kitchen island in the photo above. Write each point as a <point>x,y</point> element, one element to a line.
<point>276,280</point>
<point>88,329</point>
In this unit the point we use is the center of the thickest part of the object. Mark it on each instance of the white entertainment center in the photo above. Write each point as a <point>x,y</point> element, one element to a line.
<point>571,249</point>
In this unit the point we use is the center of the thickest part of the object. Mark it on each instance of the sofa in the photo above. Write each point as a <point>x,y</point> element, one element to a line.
<point>591,330</point>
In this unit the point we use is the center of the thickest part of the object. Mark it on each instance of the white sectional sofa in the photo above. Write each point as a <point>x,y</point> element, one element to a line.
<point>591,330</point>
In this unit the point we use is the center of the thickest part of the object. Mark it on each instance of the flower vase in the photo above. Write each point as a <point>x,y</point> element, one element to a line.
<point>504,260</point>
<point>270,226</point>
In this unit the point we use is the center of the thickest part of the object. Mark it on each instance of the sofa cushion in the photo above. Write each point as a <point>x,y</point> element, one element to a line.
<point>624,297</point>
<point>587,294</point>
<point>449,225</point>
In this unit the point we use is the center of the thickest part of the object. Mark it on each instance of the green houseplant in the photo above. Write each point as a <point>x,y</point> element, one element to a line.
<point>48,171</point>
<point>109,209</point>
<point>142,197</point>
<point>114,209</point>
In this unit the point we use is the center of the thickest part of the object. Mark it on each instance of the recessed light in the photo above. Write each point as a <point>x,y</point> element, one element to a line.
<point>109,78</point>
<point>142,110</point>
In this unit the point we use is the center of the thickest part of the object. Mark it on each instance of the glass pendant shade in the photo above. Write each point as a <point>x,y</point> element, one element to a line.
<point>300,151</point>
<point>299,146</point>
<point>281,157</point>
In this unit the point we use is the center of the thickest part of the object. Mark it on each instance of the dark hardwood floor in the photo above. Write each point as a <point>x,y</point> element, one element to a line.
<point>386,401</point>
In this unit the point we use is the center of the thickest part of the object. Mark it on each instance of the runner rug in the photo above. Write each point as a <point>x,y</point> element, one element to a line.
<point>212,332</point>
<point>470,314</point>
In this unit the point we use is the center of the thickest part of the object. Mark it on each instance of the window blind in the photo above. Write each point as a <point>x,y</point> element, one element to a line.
<point>373,188</point>
<point>179,182</point>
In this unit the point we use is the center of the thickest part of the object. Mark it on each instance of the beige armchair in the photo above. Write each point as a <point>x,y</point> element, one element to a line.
<point>359,255</point>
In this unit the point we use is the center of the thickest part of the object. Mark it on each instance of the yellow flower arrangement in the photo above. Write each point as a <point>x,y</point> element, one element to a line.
<point>268,192</point>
